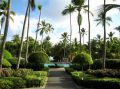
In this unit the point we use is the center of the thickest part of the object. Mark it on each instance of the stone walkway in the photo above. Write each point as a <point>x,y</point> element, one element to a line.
<point>58,79</point>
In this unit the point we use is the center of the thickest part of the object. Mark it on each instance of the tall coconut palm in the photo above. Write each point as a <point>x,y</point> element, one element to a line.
<point>27,42</point>
<point>31,3</point>
<point>45,28</point>
<point>118,29</point>
<point>102,19</point>
<point>69,10</point>
<point>79,5</point>
<point>5,33</point>
<point>39,8</point>
<point>89,26</point>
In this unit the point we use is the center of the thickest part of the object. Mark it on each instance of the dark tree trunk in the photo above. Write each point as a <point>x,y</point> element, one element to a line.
<point>5,33</point>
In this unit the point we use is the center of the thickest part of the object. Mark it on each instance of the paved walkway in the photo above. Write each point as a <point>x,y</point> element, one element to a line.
<point>58,79</point>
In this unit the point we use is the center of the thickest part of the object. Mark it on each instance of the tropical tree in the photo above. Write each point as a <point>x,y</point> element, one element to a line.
<point>16,39</point>
<point>31,3</point>
<point>89,26</point>
<point>69,10</point>
<point>79,5</point>
<point>65,41</point>
<point>118,29</point>
<point>38,25</point>
<point>45,28</point>
<point>3,14</point>
<point>83,32</point>
<point>111,35</point>
<point>5,33</point>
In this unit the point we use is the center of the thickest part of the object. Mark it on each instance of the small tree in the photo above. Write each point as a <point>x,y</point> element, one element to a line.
<point>83,59</point>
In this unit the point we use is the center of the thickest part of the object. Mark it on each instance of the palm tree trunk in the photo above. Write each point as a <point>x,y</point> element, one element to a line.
<point>37,32</point>
<point>5,33</point>
<point>89,27</point>
<point>80,33</point>
<point>21,43</point>
<point>70,37</point>
<point>27,44</point>
<point>42,42</point>
<point>104,57</point>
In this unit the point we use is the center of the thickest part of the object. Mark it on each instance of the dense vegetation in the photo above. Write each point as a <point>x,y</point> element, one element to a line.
<point>98,54</point>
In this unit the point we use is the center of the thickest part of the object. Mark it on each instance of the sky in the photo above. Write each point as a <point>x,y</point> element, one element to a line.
<point>51,12</point>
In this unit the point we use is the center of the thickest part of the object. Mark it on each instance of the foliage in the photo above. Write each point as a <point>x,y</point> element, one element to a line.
<point>105,73</point>
<point>110,63</point>
<point>37,60</point>
<point>83,59</point>
<point>17,82</point>
<point>6,72</point>
<point>6,63</point>
<point>5,84</point>
<point>7,55</point>
<point>69,70</point>
<point>90,81</point>
<point>37,79</point>
<point>22,72</point>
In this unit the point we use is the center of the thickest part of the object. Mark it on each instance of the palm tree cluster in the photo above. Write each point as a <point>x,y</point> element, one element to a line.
<point>43,27</point>
<point>79,5</point>
<point>66,47</point>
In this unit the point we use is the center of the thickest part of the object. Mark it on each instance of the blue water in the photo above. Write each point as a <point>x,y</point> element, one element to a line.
<point>64,65</point>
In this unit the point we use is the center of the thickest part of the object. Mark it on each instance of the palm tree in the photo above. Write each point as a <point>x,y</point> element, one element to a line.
<point>69,10</point>
<point>111,35</point>
<point>45,28</point>
<point>118,29</point>
<point>89,27</point>
<point>65,40</point>
<point>102,19</point>
<point>16,39</point>
<point>3,13</point>
<point>5,33</point>
<point>39,8</point>
<point>31,3</point>
<point>83,32</point>
<point>27,44</point>
<point>79,5</point>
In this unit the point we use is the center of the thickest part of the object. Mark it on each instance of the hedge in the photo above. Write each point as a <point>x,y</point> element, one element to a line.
<point>90,81</point>
<point>20,78</point>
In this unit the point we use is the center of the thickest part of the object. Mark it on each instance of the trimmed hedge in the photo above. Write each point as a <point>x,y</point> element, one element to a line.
<point>90,81</point>
<point>5,84</point>
<point>20,78</point>
<point>110,64</point>
<point>105,73</point>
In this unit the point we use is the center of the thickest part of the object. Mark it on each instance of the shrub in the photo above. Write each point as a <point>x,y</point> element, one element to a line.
<point>37,60</point>
<point>97,64</point>
<point>94,82</point>
<point>17,82</point>
<point>113,63</point>
<point>69,70</point>
<point>110,63</point>
<point>105,73</point>
<point>83,59</point>
<point>22,72</point>
<point>6,72</point>
<point>6,63</point>
<point>5,84</point>
<point>38,78</point>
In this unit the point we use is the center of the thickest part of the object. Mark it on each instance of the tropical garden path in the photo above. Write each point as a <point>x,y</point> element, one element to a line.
<point>59,79</point>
